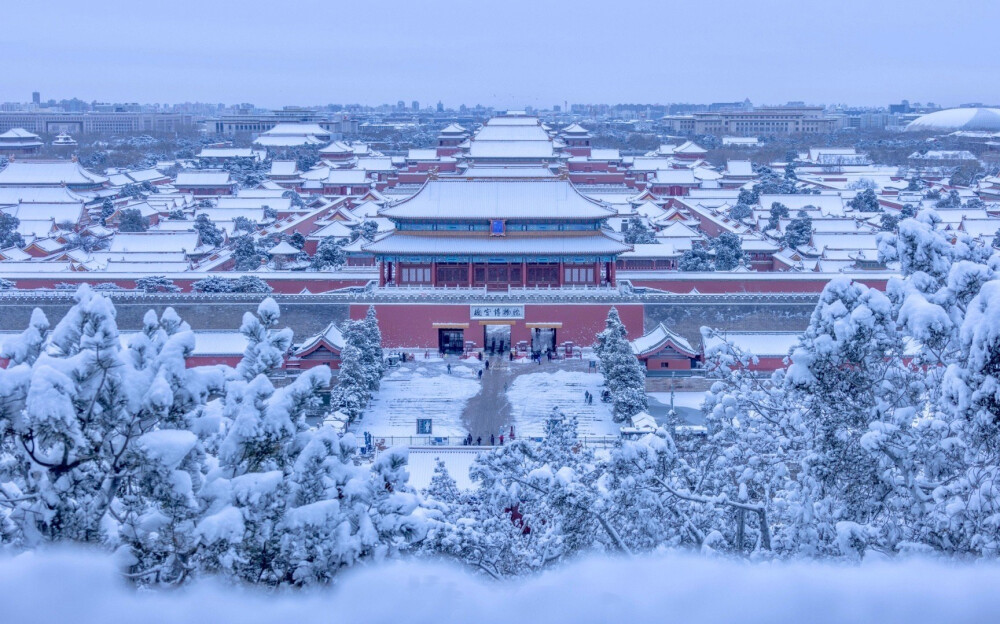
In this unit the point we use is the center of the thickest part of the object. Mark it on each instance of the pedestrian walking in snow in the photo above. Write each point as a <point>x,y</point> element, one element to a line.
<point>501,439</point>
<point>493,440</point>
<point>449,368</point>
<point>480,373</point>
<point>512,432</point>
<point>479,441</point>
<point>487,365</point>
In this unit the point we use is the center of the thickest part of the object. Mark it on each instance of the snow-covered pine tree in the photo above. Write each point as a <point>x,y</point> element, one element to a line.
<point>249,493</point>
<point>853,396</point>
<point>90,450</point>
<point>26,348</point>
<point>351,394</point>
<point>623,374</point>
<point>266,345</point>
<point>373,355</point>
<point>156,283</point>
<point>329,254</point>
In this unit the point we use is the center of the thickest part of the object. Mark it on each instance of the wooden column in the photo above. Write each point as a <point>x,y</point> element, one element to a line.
<point>381,273</point>
<point>470,273</point>
<point>611,272</point>
<point>434,273</point>
<point>597,272</point>
<point>560,274</point>
<point>524,276</point>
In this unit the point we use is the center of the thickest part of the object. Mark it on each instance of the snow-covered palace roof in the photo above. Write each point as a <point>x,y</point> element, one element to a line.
<point>48,173</point>
<point>462,200</point>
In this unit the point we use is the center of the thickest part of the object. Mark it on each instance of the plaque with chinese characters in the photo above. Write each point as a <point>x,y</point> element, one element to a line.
<point>485,312</point>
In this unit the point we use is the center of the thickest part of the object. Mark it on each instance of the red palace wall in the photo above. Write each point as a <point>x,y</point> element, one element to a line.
<point>411,325</point>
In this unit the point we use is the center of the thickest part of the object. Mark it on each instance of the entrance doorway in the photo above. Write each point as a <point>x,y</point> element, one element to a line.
<point>496,339</point>
<point>543,340</point>
<point>451,340</point>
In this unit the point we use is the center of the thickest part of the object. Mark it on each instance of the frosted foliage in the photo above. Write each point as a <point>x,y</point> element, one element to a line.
<point>185,471</point>
<point>877,439</point>
<point>26,348</point>
<point>266,345</point>
<point>623,374</point>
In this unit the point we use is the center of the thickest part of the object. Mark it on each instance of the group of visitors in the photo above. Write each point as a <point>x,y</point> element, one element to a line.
<point>536,356</point>
<point>468,440</point>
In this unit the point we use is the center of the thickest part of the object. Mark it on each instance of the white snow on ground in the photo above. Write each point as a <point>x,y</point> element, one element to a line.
<point>533,395</point>
<point>420,389</point>
<point>84,588</point>
<point>681,399</point>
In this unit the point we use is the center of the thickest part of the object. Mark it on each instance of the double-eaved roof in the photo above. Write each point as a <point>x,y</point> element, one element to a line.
<point>477,199</point>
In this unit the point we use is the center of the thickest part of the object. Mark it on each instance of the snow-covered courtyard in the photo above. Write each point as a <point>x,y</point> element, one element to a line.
<point>533,395</point>
<point>421,389</point>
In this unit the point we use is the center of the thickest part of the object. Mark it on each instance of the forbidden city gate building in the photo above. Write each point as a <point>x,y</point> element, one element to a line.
<point>483,236</point>
<point>497,234</point>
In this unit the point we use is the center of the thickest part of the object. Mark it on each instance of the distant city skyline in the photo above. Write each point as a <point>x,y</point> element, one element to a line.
<point>506,56</point>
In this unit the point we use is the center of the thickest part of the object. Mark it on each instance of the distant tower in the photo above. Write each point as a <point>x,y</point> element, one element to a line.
<point>440,107</point>
<point>36,98</point>
<point>415,105</point>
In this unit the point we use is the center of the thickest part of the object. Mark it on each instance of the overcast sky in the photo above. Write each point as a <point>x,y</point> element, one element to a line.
<point>506,53</point>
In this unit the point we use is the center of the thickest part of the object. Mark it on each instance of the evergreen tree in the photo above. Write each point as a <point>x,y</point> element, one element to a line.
<point>623,374</point>
<point>740,212</point>
<point>372,348</point>
<point>367,230</point>
<point>888,222</point>
<point>250,284</point>
<point>749,197</point>
<point>87,417</point>
<point>297,240</point>
<point>696,259</point>
<point>246,255</point>
<point>798,233</point>
<point>243,224</point>
<point>266,345</point>
<point>865,201</point>
<point>156,283</point>
<point>9,236</point>
<point>213,284</point>
<point>778,211</point>
<point>953,200</point>
<point>728,249</point>
<point>636,233</point>
<point>208,233</point>
<point>107,209</point>
<point>329,255</point>
<point>132,221</point>
<point>351,394</point>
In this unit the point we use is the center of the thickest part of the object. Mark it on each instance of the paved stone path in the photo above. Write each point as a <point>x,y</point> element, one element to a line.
<point>490,411</point>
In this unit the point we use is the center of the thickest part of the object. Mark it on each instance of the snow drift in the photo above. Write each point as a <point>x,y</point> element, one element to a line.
<point>83,587</point>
